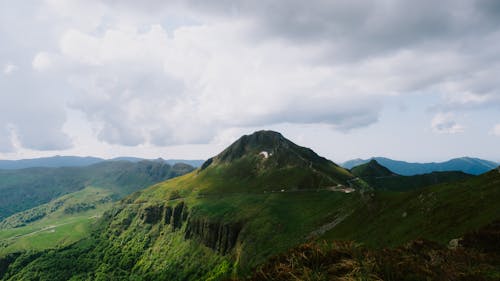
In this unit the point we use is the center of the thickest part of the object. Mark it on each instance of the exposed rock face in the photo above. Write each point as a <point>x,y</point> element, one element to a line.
<point>219,236</point>
<point>177,215</point>
<point>174,216</point>
<point>152,214</point>
<point>168,214</point>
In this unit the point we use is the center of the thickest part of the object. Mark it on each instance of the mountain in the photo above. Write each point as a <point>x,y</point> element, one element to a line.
<point>355,162</point>
<point>382,178</point>
<point>259,198</point>
<point>27,188</point>
<point>267,160</point>
<point>371,169</point>
<point>55,161</point>
<point>473,166</point>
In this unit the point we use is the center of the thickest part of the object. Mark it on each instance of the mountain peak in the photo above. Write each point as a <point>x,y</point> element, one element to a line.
<point>371,169</point>
<point>266,143</point>
<point>270,154</point>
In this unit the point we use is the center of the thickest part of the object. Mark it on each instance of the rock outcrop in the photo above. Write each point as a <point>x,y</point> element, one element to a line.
<point>174,216</point>
<point>152,214</point>
<point>168,214</point>
<point>219,236</point>
<point>178,215</point>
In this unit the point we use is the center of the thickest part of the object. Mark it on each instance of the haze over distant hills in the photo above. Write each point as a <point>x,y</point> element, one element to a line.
<point>78,161</point>
<point>469,165</point>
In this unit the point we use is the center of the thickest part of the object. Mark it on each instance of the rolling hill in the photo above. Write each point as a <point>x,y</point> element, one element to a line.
<point>473,166</point>
<point>77,161</point>
<point>49,162</point>
<point>27,188</point>
<point>58,223</point>
<point>382,178</point>
<point>242,206</point>
<point>260,197</point>
<point>439,212</point>
<point>69,217</point>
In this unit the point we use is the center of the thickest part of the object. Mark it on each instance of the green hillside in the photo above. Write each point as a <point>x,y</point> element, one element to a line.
<point>223,219</point>
<point>475,256</point>
<point>69,218</point>
<point>27,188</point>
<point>260,197</point>
<point>58,223</point>
<point>439,212</point>
<point>382,178</point>
<point>371,169</point>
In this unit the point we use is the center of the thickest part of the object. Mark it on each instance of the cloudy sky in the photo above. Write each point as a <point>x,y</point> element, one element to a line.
<point>411,80</point>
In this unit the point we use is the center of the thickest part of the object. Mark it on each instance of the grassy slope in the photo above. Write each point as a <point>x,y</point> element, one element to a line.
<point>475,257</point>
<point>240,191</point>
<point>441,212</point>
<point>128,248</point>
<point>406,183</point>
<point>288,216</point>
<point>67,219</point>
<point>27,188</point>
<point>382,178</point>
<point>246,190</point>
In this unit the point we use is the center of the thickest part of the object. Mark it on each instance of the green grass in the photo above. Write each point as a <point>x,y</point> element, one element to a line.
<point>27,188</point>
<point>440,213</point>
<point>269,204</point>
<point>242,193</point>
<point>58,227</point>
<point>77,203</point>
<point>381,178</point>
<point>127,248</point>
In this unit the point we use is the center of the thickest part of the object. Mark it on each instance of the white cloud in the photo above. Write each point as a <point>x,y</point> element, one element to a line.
<point>495,130</point>
<point>182,71</point>
<point>138,86</point>
<point>10,68</point>
<point>444,123</point>
<point>42,61</point>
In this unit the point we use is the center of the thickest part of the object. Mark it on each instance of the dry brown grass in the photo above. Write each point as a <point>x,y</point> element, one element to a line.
<point>477,258</point>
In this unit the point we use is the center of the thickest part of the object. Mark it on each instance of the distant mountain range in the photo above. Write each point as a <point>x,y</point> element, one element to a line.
<point>77,161</point>
<point>469,165</point>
